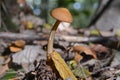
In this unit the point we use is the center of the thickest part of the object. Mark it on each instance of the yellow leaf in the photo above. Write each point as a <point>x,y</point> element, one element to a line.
<point>62,67</point>
<point>29,25</point>
<point>94,32</point>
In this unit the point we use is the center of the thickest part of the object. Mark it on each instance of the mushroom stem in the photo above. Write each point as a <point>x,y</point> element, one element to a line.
<point>51,37</point>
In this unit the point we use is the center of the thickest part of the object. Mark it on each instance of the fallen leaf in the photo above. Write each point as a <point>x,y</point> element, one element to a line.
<point>99,48</point>
<point>85,49</point>
<point>102,52</point>
<point>78,57</point>
<point>28,55</point>
<point>79,72</point>
<point>62,67</point>
<point>73,64</point>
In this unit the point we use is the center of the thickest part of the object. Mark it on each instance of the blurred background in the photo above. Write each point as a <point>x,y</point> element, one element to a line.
<point>14,12</point>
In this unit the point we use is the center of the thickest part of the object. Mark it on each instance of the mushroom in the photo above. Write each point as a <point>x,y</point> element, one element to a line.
<point>17,46</point>
<point>20,43</point>
<point>61,15</point>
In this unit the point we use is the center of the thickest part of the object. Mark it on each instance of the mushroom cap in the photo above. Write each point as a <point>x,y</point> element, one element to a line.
<point>61,14</point>
<point>20,43</point>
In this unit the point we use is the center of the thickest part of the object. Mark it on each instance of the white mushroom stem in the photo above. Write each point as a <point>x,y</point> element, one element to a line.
<point>51,37</point>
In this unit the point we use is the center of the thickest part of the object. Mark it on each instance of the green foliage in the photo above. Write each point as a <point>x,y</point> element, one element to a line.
<point>10,74</point>
<point>81,72</point>
<point>64,3</point>
<point>9,24</point>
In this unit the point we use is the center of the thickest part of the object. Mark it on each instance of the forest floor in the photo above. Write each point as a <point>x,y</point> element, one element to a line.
<point>91,57</point>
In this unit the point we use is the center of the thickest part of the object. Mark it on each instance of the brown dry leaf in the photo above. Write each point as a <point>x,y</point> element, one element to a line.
<point>62,67</point>
<point>78,57</point>
<point>85,49</point>
<point>15,49</point>
<point>99,47</point>
<point>19,43</point>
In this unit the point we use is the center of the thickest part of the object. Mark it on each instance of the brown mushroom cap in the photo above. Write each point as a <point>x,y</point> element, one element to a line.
<point>61,14</point>
<point>20,43</point>
<point>15,49</point>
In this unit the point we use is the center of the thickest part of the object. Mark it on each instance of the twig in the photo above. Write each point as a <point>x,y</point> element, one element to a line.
<point>111,42</point>
<point>83,72</point>
<point>4,25</point>
<point>114,69</point>
<point>15,36</point>
<point>0,18</point>
<point>97,16</point>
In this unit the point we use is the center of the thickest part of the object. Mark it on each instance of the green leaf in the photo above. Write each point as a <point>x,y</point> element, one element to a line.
<point>9,74</point>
